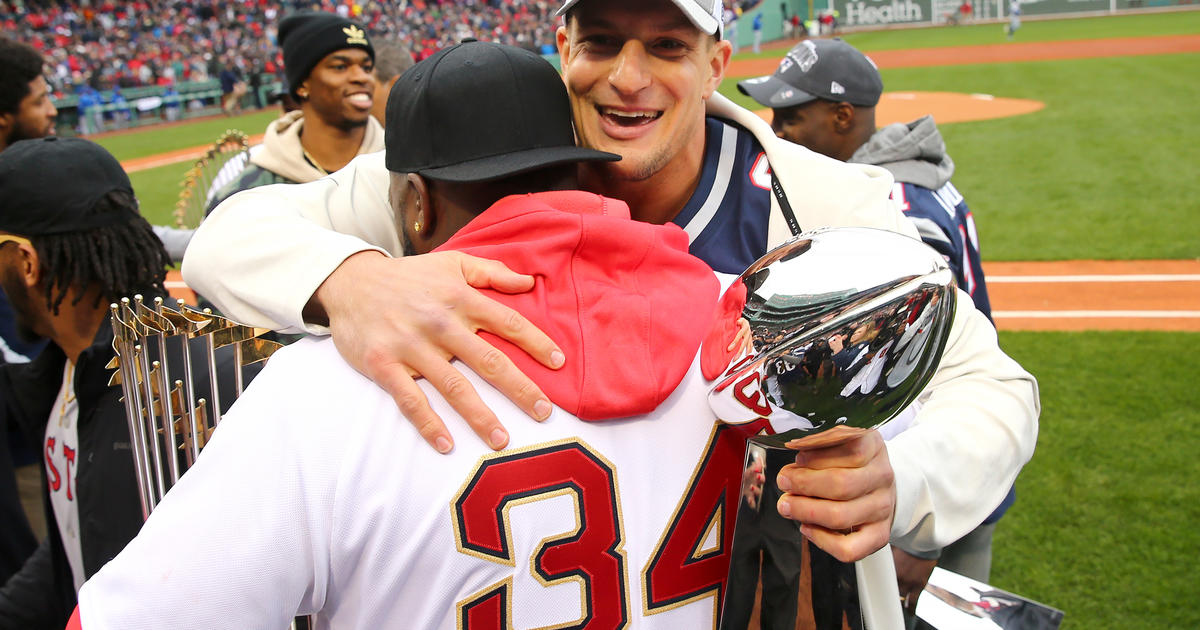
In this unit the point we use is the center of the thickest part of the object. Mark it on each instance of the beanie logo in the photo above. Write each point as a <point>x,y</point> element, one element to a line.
<point>355,35</point>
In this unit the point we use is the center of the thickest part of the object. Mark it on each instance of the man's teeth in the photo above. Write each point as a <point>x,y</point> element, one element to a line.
<point>361,99</point>
<point>629,115</point>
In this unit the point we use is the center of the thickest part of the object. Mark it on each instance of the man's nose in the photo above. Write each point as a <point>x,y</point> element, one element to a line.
<point>631,72</point>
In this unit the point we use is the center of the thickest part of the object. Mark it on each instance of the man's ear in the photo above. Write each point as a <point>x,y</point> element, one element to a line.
<point>563,40</point>
<point>421,212</point>
<point>721,51</point>
<point>6,125</point>
<point>28,265</point>
<point>843,117</point>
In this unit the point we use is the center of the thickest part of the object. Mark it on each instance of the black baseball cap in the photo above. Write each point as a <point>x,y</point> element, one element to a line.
<point>50,186</point>
<point>479,111</point>
<point>829,69</point>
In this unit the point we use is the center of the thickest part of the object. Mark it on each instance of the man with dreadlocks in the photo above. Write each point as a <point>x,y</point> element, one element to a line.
<point>67,252</point>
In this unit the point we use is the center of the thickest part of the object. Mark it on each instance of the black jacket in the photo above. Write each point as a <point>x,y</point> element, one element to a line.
<point>42,594</point>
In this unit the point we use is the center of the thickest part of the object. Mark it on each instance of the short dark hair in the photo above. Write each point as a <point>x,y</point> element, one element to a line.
<point>20,64</point>
<point>121,258</point>
<point>391,59</point>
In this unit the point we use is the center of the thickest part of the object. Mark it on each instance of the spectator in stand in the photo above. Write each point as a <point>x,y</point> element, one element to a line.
<point>130,44</point>
<point>330,70</point>
<point>391,60</point>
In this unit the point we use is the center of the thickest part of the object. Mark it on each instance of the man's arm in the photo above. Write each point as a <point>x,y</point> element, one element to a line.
<point>977,427</point>
<point>978,424</point>
<point>316,257</point>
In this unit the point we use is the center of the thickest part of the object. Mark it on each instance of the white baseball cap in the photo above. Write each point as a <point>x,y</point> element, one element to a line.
<point>705,14</point>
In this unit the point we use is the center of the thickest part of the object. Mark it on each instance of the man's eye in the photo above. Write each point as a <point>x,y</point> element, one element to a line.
<point>670,47</point>
<point>600,41</point>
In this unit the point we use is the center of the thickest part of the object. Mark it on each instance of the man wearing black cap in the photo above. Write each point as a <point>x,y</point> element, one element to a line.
<point>350,516</point>
<point>65,253</point>
<point>329,63</point>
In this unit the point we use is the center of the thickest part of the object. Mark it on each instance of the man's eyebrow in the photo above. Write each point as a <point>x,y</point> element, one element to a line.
<point>660,27</point>
<point>348,58</point>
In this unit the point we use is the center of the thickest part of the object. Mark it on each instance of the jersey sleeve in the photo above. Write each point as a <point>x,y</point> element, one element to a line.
<point>263,252</point>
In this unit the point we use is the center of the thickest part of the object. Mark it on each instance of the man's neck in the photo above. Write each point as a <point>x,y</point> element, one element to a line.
<point>659,198</point>
<point>74,328</point>
<point>330,147</point>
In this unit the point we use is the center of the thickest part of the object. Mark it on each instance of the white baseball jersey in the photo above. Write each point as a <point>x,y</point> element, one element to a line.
<point>316,496</point>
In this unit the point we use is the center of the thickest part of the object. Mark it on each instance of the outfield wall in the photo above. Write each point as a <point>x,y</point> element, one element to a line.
<point>874,14</point>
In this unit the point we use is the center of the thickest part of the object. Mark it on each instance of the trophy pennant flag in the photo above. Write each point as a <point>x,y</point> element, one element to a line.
<point>834,333</point>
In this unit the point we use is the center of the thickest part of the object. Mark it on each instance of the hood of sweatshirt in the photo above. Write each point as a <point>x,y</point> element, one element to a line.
<point>623,299</point>
<point>914,153</point>
<point>283,154</point>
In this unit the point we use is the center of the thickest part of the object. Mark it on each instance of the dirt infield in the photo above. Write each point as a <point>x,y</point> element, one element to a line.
<point>1066,295</point>
<point>173,157</point>
<point>946,107</point>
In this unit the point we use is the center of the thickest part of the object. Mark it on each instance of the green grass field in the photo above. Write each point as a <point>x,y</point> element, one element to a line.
<point>1105,522</point>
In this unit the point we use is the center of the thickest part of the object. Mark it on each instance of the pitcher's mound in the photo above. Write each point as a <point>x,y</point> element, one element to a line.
<point>946,107</point>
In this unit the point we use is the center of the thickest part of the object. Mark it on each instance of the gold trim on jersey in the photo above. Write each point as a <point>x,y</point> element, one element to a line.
<point>644,577</point>
<point>506,555</point>
<point>504,588</point>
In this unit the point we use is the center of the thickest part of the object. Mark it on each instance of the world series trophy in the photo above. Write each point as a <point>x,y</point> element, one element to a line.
<point>839,331</point>
<point>170,420</point>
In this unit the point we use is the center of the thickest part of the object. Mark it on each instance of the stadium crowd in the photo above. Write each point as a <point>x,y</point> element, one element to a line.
<point>159,42</point>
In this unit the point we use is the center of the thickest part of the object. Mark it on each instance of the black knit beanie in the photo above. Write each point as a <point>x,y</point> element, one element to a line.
<point>308,36</point>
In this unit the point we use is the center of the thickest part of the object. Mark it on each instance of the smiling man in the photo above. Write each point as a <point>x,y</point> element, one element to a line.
<point>329,62</point>
<point>642,77</point>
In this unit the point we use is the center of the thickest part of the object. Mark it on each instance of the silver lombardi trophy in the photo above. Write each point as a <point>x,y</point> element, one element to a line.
<point>840,330</point>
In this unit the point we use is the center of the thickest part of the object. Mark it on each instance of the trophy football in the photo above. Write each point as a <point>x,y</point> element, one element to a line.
<point>828,336</point>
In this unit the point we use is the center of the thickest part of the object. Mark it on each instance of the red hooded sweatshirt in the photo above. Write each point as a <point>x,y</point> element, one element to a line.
<point>623,299</point>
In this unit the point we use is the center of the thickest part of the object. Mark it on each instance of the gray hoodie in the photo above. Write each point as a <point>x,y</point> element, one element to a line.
<point>914,153</point>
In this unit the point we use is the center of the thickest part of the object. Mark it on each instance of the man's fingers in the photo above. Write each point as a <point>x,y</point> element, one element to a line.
<point>411,401</point>
<point>838,484</point>
<point>850,454</point>
<point>461,395</point>
<point>838,515</point>
<point>496,368</point>
<point>508,324</point>
<point>482,273</point>
<point>848,547</point>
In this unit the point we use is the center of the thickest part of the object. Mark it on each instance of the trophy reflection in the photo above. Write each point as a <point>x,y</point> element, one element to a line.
<point>825,357</point>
